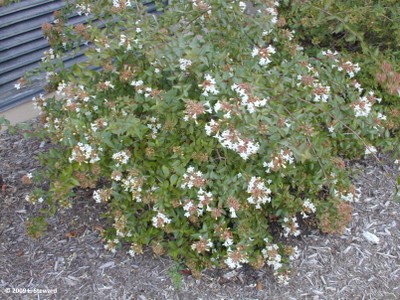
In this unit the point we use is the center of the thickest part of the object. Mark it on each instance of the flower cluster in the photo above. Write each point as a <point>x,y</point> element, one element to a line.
<point>102,195</point>
<point>125,42</point>
<point>232,140</point>
<point>209,86</point>
<point>260,194</point>
<point>121,157</point>
<point>191,209</point>
<point>160,220</point>
<point>83,9</point>
<point>271,254</point>
<point>141,89</point>
<point>350,68</point>
<point>347,66</point>
<point>272,11</point>
<point>135,249</point>
<point>154,127</point>
<point>193,179</point>
<point>264,54</point>
<point>370,150</point>
<point>120,225</point>
<point>247,100</point>
<point>235,258</point>
<point>321,92</point>
<point>33,199</point>
<point>308,208</point>
<point>290,226</point>
<point>84,153</point>
<point>212,127</point>
<point>121,3</point>
<point>279,161</point>
<point>49,55</point>
<point>27,178</point>
<point>184,63</point>
<point>234,206</point>
<point>193,110</point>
<point>133,184</point>
<point>112,245</point>
<point>362,108</point>
<point>203,245</point>
<point>201,5</point>
<point>352,195</point>
<point>205,198</point>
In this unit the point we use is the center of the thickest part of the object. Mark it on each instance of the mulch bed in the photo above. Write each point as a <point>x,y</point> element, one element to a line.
<point>71,257</point>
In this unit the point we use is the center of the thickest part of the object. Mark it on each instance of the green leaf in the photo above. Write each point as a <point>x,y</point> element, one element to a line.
<point>165,171</point>
<point>173,179</point>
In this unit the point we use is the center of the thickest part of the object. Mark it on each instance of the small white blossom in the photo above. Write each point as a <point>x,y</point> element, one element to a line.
<point>235,259</point>
<point>184,63</point>
<point>209,86</point>
<point>121,157</point>
<point>242,6</point>
<point>264,54</point>
<point>121,3</point>
<point>260,194</point>
<point>84,153</point>
<point>370,150</point>
<point>160,220</point>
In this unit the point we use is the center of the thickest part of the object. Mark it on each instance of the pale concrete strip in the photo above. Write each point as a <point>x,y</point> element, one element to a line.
<point>21,113</point>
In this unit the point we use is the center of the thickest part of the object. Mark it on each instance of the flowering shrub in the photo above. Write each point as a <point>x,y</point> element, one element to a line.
<point>207,132</point>
<point>367,30</point>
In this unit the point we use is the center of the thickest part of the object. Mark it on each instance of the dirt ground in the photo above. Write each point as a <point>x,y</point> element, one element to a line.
<point>70,261</point>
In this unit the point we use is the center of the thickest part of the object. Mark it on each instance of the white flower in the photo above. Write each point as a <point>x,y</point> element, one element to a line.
<point>242,6</point>
<point>308,208</point>
<point>121,157</point>
<point>350,196</point>
<point>209,86</point>
<point>381,117</point>
<point>235,259</point>
<point>192,179</point>
<point>264,54</point>
<point>232,140</point>
<point>184,63</point>
<point>321,93</point>
<point>254,52</point>
<point>97,197</point>
<point>118,4</point>
<point>363,107</point>
<point>260,194</point>
<point>84,153</point>
<point>160,220</point>
<point>83,9</point>
<point>370,150</point>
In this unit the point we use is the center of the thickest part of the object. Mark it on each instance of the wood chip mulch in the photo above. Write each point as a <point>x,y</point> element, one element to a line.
<point>70,260</point>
